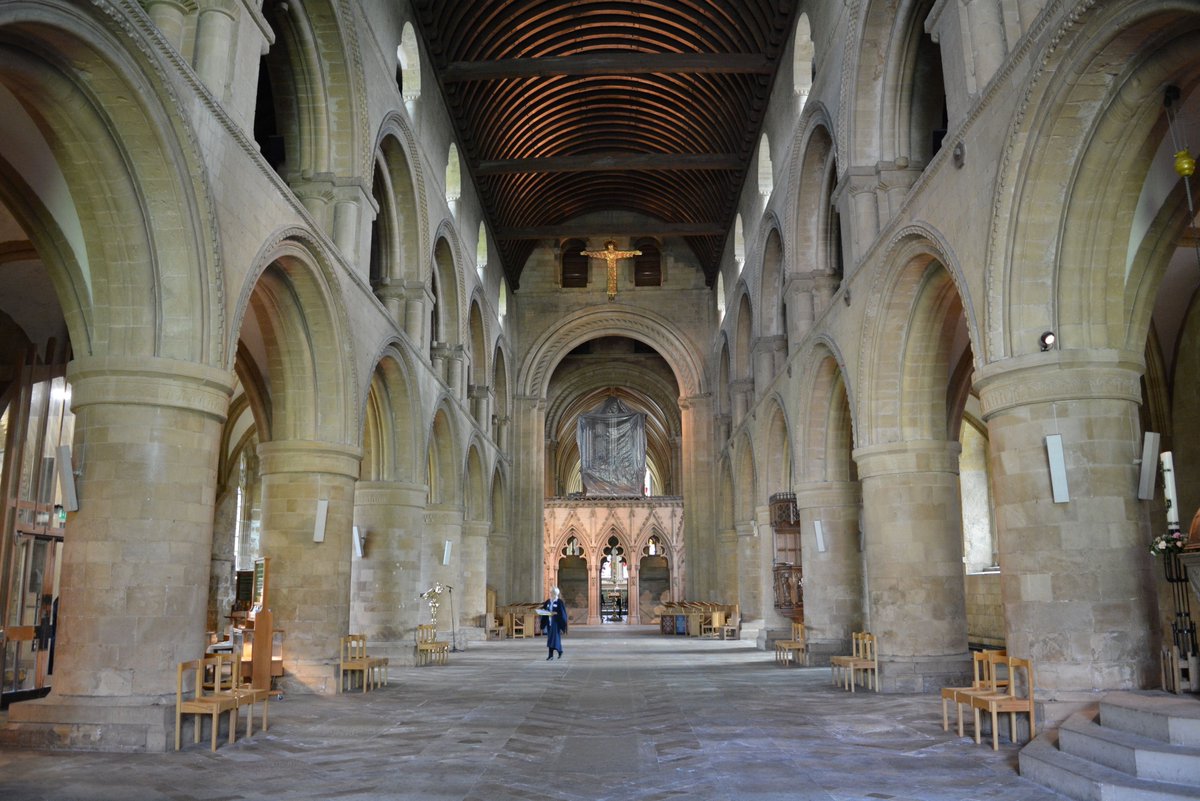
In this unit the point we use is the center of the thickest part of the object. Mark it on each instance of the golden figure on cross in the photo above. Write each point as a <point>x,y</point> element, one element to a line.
<point>610,254</point>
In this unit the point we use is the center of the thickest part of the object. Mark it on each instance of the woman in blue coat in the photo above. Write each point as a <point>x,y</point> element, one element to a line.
<point>554,624</point>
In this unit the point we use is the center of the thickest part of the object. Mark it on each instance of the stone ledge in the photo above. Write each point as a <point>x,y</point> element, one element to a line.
<point>91,724</point>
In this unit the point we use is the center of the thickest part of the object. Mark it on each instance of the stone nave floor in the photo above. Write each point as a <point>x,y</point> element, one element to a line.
<point>626,714</point>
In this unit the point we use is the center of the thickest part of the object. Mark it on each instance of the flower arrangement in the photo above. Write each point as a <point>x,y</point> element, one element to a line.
<point>433,596</point>
<point>1171,542</point>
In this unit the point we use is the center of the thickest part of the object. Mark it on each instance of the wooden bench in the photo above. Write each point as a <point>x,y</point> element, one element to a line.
<point>791,652</point>
<point>431,650</point>
<point>191,698</point>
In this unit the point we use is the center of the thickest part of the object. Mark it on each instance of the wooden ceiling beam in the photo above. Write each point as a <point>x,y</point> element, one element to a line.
<point>614,162</point>
<point>622,63</point>
<point>599,229</point>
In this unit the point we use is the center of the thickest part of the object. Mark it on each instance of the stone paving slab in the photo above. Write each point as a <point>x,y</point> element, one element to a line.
<point>627,714</point>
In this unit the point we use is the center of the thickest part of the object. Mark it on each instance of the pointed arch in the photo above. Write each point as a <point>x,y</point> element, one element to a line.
<point>442,460</point>
<point>475,486</point>
<point>825,439</point>
<point>775,449</point>
<point>391,420</point>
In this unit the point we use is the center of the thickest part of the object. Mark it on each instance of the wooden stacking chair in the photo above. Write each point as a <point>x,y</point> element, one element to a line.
<point>1016,697</point>
<point>431,650</point>
<point>866,665</point>
<point>732,630</point>
<point>247,695</point>
<point>794,650</point>
<point>191,698</point>
<point>838,664</point>
<point>983,681</point>
<point>352,659</point>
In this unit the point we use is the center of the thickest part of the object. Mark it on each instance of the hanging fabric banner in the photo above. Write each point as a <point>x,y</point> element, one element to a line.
<point>612,451</point>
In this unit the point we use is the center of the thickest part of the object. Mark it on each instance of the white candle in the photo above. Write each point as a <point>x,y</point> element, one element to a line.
<point>1168,468</point>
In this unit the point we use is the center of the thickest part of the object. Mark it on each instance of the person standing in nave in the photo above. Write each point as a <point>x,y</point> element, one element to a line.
<point>554,625</point>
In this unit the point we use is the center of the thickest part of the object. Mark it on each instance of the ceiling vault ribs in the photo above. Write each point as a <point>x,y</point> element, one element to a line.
<point>572,116</point>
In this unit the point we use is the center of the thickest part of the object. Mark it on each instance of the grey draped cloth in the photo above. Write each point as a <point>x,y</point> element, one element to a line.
<point>612,451</point>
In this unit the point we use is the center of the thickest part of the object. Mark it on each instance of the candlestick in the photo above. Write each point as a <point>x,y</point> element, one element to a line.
<point>1168,468</point>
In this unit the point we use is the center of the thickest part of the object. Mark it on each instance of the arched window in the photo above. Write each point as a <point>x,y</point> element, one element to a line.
<point>574,264</point>
<point>739,243</point>
<point>481,250</point>
<point>804,61</point>
<point>647,268</point>
<point>408,65</point>
<point>453,177</point>
<point>766,172</point>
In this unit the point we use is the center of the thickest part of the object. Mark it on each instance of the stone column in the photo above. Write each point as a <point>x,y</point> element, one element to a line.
<point>455,370</point>
<point>749,585</point>
<point>444,524</point>
<point>216,37</point>
<point>1078,596</point>
<point>858,206</point>
<point>764,365</point>
<point>497,557</point>
<point>169,16</point>
<point>309,581</point>
<point>800,311</point>
<point>694,481</point>
<point>529,497</point>
<point>473,592</point>
<point>742,391</point>
<point>728,586</point>
<point>385,582</point>
<point>633,606</point>
<point>912,521</point>
<point>833,577</point>
<point>135,572</point>
<point>416,313</point>
<point>393,300</point>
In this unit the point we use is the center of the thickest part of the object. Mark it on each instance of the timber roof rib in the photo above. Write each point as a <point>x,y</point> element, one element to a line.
<point>569,108</point>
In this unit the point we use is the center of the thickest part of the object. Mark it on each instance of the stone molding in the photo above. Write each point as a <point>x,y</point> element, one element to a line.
<point>828,494</point>
<point>302,456</point>
<point>390,493</point>
<point>916,456</point>
<point>1059,376</point>
<point>150,381</point>
<point>650,502</point>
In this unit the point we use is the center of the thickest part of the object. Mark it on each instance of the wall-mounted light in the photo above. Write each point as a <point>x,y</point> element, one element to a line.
<point>1046,341</point>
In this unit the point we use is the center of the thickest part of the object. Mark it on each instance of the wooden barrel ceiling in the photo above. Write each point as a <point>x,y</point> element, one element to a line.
<point>566,109</point>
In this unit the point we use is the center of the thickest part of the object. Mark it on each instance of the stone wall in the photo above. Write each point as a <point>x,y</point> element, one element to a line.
<point>985,612</point>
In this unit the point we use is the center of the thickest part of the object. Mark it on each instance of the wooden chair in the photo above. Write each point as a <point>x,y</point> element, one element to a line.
<point>839,663</point>
<point>794,650</point>
<point>352,659</point>
<point>430,649</point>
<point>245,694</point>
<point>378,666</point>
<point>983,681</point>
<point>732,630</point>
<point>1017,697</point>
<point>516,626</point>
<point>192,699</point>
<point>711,629</point>
<point>866,665</point>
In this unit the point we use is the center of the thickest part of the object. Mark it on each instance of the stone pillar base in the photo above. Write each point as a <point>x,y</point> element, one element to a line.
<point>923,674</point>
<point>84,723</point>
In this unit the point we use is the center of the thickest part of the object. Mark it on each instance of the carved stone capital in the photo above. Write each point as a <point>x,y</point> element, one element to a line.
<point>1058,376</point>
<point>148,381</point>
<point>303,456</point>
<point>916,456</point>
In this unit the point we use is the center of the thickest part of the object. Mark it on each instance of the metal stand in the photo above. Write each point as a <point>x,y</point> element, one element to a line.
<point>453,623</point>
<point>1183,628</point>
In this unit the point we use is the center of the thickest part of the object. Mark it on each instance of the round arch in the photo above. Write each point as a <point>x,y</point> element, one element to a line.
<point>825,435</point>
<point>118,285</point>
<point>441,457</point>
<point>611,320</point>
<point>291,320</point>
<point>909,329</point>
<point>1099,299</point>
<point>390,418</point>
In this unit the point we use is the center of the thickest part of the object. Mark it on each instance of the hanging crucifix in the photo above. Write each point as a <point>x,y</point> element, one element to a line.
<point>610,254</point>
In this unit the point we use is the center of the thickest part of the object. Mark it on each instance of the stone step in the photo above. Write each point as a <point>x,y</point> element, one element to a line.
<point>1173,719</point>
<point>1041,761</point>
<point>1130,753</point>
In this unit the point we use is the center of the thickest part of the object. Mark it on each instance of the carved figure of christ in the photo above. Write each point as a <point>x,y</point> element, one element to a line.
<point>610,254</point>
